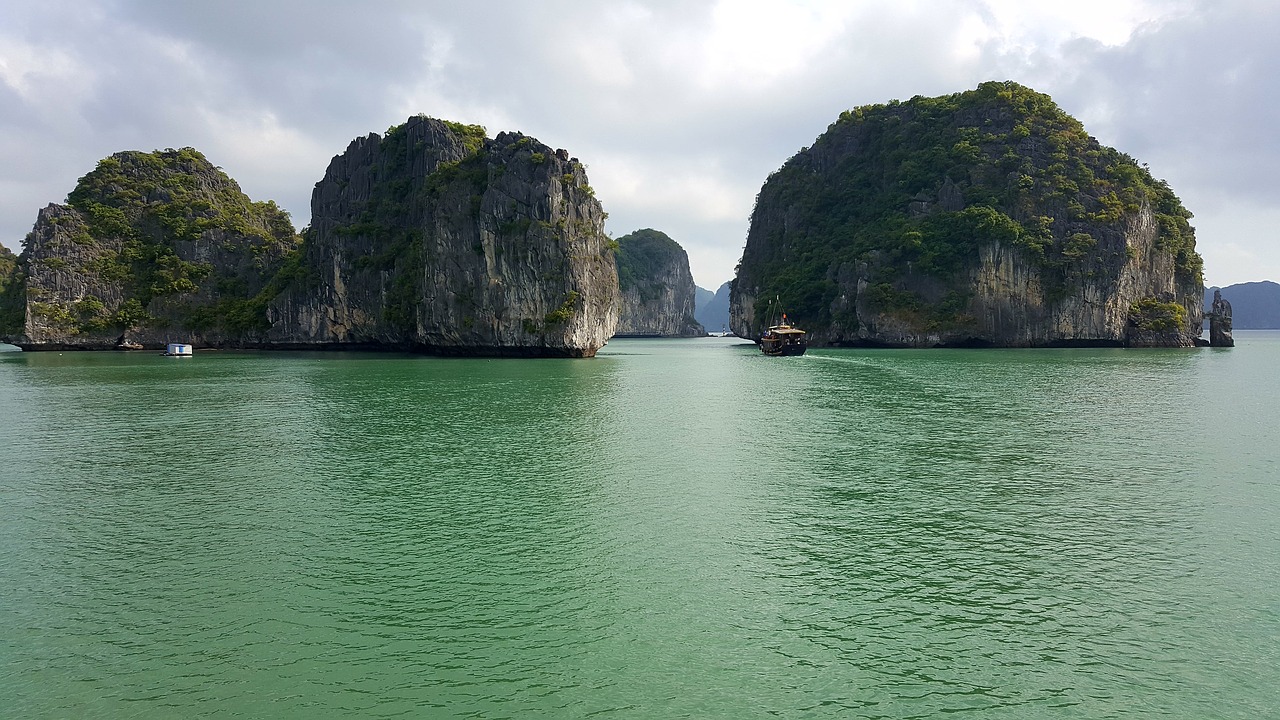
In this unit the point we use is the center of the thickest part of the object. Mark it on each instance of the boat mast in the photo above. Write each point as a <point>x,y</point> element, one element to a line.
<point>770,313</point>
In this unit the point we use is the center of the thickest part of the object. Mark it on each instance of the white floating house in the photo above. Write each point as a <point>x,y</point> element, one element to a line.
<point>178,350</point>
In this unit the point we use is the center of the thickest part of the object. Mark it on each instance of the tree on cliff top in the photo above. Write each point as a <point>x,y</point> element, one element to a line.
<point>918,186</point>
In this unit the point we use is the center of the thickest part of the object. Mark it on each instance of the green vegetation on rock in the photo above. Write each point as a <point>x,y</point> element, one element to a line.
<point>171,195</point>
<point>168,224</point>
<point>564,313</point>
<point>13,294</point>
<point>644,255</point>
<point>236,314</point>
<point>1152,315</point>
<point>472,136</point>
<point>905,193</point>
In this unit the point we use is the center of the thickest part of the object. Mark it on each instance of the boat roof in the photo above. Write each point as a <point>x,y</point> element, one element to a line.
<point>785,330</point>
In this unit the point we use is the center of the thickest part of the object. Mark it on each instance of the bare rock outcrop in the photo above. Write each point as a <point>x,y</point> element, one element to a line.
<point>1220,322</point>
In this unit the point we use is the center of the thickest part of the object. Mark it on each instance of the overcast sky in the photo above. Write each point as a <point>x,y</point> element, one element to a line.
<point>679,110</point>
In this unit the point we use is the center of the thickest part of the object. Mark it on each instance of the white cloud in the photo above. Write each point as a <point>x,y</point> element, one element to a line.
<point>701,185</point>
<point>1037,26</point>
<point>263,156</point>
<point>750,44</point>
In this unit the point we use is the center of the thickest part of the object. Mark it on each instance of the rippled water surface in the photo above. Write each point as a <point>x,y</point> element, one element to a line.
<point>673,529</point>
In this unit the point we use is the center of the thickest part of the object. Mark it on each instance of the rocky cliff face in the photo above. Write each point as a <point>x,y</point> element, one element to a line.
<point>435,238</point>
<point>431,238</point>
<point>987,218</point>
<point>150,247</point>
<point>658,294</point>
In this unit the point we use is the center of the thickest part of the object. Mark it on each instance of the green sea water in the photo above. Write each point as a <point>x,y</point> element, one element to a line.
<point>672,529</point>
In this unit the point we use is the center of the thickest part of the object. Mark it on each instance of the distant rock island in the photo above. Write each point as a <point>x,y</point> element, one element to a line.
<point>1255,305</point>
<point>713,308</point>
<point>431,237</point>
<point>657,287</point>
<point>984,218</point>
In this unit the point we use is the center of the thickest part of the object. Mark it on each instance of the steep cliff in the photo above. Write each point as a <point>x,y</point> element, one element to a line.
<point>658,294</point>
<point>149,247</point>
<point>436,238</point>
<point>988,217</point>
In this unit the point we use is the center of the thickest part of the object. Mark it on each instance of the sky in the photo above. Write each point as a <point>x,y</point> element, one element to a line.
<point>680,109</point>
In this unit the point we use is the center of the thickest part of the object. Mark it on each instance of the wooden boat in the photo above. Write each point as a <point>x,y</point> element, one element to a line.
<point>783,339</point>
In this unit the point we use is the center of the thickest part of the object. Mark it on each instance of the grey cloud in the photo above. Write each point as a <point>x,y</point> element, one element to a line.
<point>1195,94</point>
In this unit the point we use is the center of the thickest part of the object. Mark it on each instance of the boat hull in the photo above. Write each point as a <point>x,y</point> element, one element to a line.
<point>787,350</point>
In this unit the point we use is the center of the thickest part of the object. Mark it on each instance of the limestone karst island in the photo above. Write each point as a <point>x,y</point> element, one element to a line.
<point>987,218</point>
